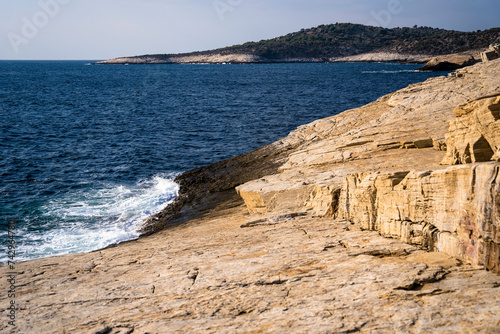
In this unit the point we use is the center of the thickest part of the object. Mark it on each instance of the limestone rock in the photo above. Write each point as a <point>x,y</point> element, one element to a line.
<point>379,166</point>
<point>448,63</point>
<point>297,275</point>
<point>454,210</point>
<point>382,57</point>
<point>474,134</point>
<point>266,195</point>
<point>184,59</point>
<point>491,54</point>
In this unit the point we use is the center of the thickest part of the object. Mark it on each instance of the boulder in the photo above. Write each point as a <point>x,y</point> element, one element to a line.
<point>491,54</point>
<point>448,63</point>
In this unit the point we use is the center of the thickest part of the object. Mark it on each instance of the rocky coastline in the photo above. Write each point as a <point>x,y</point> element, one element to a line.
<point>219,58</point>
<point>383,218</point>
<point>340,42</point>
<point>430,63</point>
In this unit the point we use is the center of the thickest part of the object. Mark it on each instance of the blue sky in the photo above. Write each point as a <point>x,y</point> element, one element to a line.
<point>102,29</point>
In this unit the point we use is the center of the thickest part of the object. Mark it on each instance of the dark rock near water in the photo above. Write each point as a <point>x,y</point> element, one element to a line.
<point>448,63</point>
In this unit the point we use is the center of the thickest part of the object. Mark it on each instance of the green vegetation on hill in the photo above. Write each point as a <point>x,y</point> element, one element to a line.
<point>448,42</point>
<point>334,40</point>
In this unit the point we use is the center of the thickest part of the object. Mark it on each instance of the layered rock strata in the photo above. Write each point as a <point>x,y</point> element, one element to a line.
<point>454,210</point>
<point>474,133</point>
<point>381,167</point>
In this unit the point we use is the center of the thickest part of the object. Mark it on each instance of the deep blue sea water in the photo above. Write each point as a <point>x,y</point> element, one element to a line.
<point>88,152</point>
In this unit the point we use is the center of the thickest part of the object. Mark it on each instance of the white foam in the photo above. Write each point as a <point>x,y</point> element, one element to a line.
<point>90,220</point>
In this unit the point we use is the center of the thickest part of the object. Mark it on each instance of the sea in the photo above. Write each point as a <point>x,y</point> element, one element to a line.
<point>88,152</point>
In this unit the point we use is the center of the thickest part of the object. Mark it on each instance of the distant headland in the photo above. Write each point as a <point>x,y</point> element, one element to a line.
<point>339,42</point>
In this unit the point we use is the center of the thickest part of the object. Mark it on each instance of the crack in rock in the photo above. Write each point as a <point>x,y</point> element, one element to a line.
<point>418,283</point>
<point>274,220</point>
<point>382,253</point>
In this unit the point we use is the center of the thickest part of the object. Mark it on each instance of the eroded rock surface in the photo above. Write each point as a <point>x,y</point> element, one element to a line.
<point>474,133</point>
<point>454,210</point>
<point>380,166</point>
<point>289,274</point>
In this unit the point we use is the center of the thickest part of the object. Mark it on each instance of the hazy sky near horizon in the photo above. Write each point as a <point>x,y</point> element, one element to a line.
<point>102,29</point>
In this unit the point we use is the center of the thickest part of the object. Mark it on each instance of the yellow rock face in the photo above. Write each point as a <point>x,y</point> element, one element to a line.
<point>453,210</point>
<point>381,167</point>
<point>474,134</point>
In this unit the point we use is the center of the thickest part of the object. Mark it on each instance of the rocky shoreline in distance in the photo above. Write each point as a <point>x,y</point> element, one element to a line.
<point>215,58</point>
<point>440,63</point>
<point>342,42</point>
